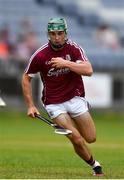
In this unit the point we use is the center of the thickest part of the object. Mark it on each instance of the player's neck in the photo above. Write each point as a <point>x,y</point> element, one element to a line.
<point>57,47</point>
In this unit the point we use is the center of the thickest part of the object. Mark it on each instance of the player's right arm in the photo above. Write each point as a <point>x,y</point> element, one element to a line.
<point>27,91</point>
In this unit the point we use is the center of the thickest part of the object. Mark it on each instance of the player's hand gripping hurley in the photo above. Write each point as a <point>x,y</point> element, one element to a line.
<point>58,129</point>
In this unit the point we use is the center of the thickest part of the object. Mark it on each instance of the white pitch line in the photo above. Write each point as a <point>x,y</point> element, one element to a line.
<point>2,103</point>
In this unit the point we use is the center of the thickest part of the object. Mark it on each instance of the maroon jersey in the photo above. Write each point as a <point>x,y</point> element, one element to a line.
<point>62,84</point>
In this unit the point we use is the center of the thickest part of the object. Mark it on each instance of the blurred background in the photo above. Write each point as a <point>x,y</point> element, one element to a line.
<point>95,25</point>
<point>29,149</point>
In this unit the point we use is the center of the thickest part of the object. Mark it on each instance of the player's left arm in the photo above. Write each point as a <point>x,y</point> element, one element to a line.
<point>80,67</point>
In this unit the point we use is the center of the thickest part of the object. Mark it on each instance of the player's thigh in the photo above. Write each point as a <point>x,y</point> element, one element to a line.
<point>86,126</point>
<point>65,121</point>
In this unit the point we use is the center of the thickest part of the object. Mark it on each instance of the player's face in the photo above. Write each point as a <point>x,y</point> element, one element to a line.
<point>57,37</point>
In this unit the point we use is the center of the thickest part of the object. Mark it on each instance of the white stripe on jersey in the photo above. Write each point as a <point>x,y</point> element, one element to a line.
<point>84,57</point>
<point>36,52</point>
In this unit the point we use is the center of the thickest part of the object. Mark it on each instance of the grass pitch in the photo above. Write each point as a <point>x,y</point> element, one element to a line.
<point>29,149</point>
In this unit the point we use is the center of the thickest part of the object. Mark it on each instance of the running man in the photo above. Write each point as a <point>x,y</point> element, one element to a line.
<point>61,64</point>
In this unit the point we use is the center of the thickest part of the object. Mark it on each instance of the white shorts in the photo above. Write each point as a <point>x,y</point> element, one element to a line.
<point>75,106</point>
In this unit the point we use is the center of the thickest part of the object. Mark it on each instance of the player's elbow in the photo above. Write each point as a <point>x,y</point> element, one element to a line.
<point>89,72</point>
<point>25,80</point>
<point>88,69</point>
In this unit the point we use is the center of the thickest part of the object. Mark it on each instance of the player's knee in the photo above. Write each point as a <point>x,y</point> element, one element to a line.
<point>91,139</point>
<point>76,139</point>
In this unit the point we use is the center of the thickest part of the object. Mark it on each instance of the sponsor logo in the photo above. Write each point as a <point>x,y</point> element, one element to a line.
<point>67,57</point>
<point>48,62</point>
<point>57,72</point>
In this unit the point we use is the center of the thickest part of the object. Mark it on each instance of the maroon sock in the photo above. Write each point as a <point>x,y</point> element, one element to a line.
<point>91,161</point>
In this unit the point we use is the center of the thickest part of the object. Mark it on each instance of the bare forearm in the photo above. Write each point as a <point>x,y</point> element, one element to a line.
<point>83,68</point>
<point>79,67</point>
<point>27,90</point>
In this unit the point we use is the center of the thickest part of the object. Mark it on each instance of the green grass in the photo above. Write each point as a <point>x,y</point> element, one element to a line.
<point>30,150</point>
